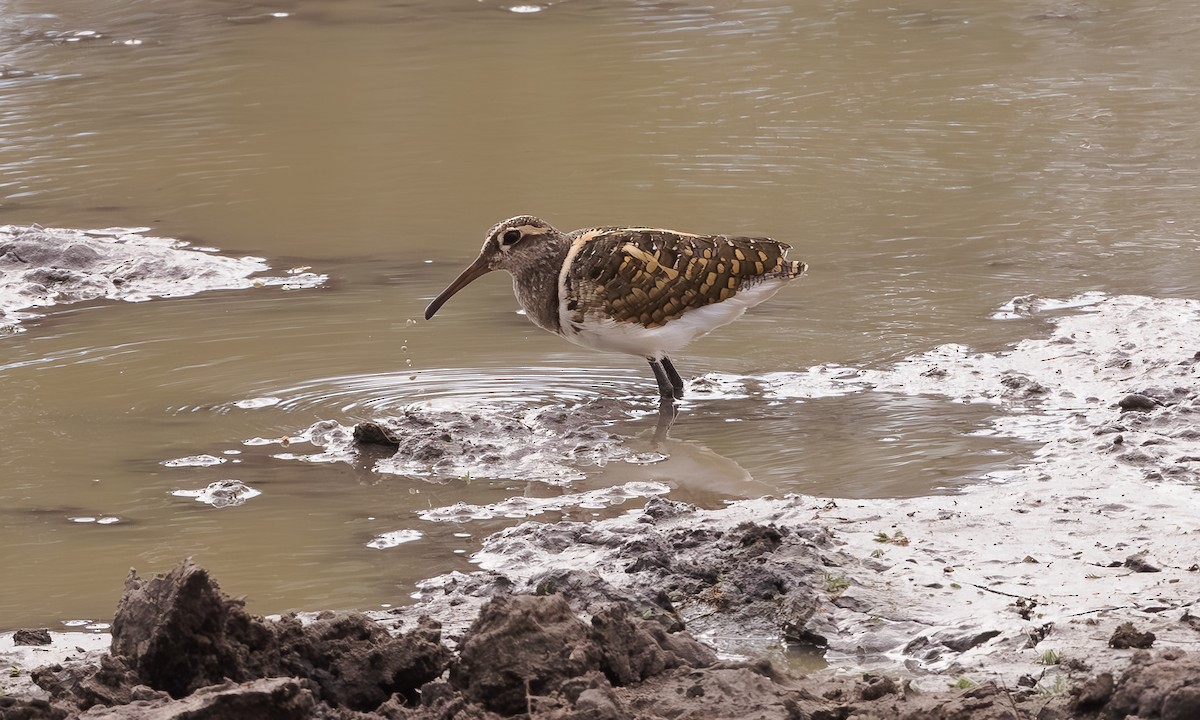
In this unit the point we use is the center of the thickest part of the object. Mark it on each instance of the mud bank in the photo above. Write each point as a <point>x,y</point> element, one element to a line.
<point>183,649</point>
<point>41,267</point>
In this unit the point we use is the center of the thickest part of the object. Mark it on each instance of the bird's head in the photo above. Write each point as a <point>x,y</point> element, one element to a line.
<point>511,245</point>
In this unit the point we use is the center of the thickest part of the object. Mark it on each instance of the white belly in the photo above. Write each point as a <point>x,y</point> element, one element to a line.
<point>607,335</point>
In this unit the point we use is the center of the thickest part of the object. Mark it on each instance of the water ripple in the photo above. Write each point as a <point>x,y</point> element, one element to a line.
<point>383,393</point>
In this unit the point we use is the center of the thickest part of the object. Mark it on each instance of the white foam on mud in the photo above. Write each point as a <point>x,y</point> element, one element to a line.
<point>42,267</point>
<point>204,460</point>
<point>99,520</point>
<point>256,403</point>
<point>718,386</point>
<point>829,380</point>
<point>1089,362</point>
<point>394,538</point>
<point>546,444</point>
<point>1027,305</point>
<point>221,494</point>
<point>523,507</point>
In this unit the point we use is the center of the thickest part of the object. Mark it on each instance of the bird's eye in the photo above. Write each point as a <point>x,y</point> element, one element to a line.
<point>511,236</point>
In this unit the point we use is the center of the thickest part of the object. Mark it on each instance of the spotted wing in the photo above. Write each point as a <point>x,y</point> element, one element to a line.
<point>650,276</point>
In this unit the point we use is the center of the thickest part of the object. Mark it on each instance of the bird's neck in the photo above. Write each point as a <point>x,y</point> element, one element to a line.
<point>535,282</point>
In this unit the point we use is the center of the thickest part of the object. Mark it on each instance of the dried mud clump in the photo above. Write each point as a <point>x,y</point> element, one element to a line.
<point>1166,687</point>
<point>179,632</point>
<point>177,637</point>
<point>525,647</point>
<point>1128,636</point>
<point>39,636</point>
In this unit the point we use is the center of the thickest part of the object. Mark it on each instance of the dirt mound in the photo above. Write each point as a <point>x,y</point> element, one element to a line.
<point>178,633</point>
<point>527,647</point>
<point>1167,687</point>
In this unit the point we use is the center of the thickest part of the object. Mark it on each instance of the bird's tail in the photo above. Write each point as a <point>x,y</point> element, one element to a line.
<point>793,268</point>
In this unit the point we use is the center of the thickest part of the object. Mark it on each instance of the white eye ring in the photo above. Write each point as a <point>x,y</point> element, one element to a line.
<point>510,236</point>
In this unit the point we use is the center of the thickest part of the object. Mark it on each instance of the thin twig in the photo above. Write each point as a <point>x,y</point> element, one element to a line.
<point>998,592</point>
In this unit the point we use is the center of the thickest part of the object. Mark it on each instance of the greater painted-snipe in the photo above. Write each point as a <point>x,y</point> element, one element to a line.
<point>636,290</point>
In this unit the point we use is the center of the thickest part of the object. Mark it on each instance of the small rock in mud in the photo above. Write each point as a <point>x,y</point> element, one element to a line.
<point>759,539</point>
<point>660,508</point>
<point>1136,402</point>
<point>961,642</point>
<point>877,686</point>
<point>372,433</point>
<point>40,636</point>
<point>1019,386</point>
<point>1038,634</point>
<point>1138,563</point>
<point>1190,620</point>
<point>1127,636</point>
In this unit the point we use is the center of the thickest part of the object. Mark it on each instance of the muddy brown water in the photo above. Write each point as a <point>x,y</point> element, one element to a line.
<point>929,163</point>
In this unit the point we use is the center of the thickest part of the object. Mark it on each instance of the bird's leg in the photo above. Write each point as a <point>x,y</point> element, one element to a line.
<point>666,388</point>
<point>673,376</point>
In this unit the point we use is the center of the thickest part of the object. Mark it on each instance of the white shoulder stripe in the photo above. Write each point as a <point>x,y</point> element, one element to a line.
<point>564,318</point>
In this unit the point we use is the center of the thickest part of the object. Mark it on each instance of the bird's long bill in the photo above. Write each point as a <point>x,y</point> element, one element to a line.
<point>473,271</point>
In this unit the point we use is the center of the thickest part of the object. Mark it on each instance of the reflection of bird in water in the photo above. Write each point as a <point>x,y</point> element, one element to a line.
<point>643,291</point>
<point>696,473</point>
